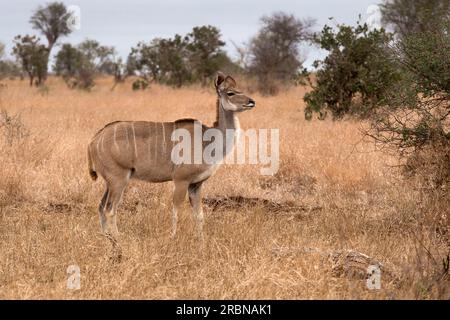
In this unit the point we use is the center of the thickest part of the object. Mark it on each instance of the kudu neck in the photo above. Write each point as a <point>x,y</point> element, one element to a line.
<point>225,119</point>
<point>228,123</point>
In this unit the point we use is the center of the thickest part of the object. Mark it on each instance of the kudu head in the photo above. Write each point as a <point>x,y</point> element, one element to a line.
<point>231,99</point>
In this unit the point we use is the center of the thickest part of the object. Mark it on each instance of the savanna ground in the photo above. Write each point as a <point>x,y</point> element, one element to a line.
<point>340,194</point>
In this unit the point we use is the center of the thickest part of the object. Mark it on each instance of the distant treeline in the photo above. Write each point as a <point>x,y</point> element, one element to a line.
<point>272,55</point>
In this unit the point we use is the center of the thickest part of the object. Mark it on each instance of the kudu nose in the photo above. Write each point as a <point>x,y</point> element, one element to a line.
<point>251,103</point>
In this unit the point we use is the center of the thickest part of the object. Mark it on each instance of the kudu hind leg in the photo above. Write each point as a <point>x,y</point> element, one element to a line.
<point>101,209</point>
<point>114,195</point>
<point>195,198</point>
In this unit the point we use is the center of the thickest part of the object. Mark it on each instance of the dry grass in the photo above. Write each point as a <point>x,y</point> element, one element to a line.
<point>49,220</point>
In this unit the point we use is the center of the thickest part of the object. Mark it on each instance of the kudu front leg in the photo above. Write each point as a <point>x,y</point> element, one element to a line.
<point>195,198</point>
<point>179,194</point>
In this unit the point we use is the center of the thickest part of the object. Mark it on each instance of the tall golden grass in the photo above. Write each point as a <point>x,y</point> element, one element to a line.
<point>49,219</point>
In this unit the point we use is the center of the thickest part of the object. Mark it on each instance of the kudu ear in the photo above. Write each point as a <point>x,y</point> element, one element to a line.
<point>230,82</point>
<point>220,78</point>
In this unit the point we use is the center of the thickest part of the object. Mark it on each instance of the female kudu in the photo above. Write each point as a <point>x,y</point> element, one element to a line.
<point>125,150</point>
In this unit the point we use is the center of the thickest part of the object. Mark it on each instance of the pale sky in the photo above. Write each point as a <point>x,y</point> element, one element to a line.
<point>123,23</point>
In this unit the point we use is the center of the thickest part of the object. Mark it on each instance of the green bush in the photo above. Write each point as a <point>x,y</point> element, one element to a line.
<point>139,84</point>
<point>415,122</point>
<point>354,76</point>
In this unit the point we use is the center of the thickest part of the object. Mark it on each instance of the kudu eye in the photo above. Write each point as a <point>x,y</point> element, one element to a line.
<point>230,94</point>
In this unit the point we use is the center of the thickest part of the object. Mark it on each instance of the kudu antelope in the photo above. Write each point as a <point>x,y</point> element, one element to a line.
<point>125,150</point>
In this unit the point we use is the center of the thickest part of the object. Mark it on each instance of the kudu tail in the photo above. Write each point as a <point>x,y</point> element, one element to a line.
<point>92,171</point>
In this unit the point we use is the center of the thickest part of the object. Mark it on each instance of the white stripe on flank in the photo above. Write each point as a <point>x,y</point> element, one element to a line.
<point>115,140</point>
<point>164,137</point>
<point>103,144</point>
<point>128,140</point>
<point>174,128</point>
<point>98,150</point>
<point>134,139</point>
<point>156,141</point>
<point>148,141</point>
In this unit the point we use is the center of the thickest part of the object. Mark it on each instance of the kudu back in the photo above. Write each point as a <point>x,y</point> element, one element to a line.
<point>125,150</point>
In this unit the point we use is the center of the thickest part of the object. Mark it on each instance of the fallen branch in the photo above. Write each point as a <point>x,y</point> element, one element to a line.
<point>233,202</point>
<point>344,263</point>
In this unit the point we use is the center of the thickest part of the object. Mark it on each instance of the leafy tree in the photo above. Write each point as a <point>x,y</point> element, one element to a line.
<point>275,49</point>
<point>162,60</point>
<point>181,59</point>
<point>52,20</point>
<point>354,76</point>
<point>102,57</point>
<point>174,61</point>
<point>74,67</point>
<point>67,60</point>
<point>411,17</point>
<point>78,65</point>
<point>119,70</point>
<point>7,67</point>
<point>206,57</point>
<point>32,57</point>
<point>144,60</point>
